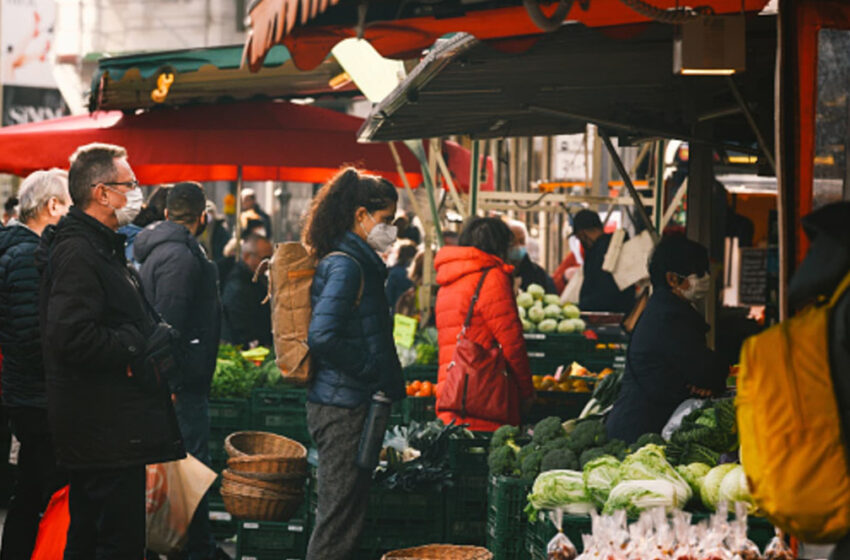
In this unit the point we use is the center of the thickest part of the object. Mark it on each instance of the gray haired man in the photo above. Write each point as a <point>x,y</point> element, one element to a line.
<point>44,199</point>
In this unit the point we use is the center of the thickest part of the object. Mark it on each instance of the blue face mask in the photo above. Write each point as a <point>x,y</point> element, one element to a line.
<point>517,254</point>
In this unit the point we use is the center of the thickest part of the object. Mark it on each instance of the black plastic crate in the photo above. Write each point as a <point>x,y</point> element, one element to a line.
<point>267,540</point>
<point>421,373</point>
<point>506,520</point>
<point>419,409</point>
<point>281,411</point>
<point>221,522</point>
<point>229,414</point>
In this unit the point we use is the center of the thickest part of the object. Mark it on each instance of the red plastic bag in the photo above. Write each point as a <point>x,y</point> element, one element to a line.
<point>53,529</point>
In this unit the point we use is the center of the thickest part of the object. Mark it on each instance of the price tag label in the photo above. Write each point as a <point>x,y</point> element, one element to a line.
<point>404,330</point>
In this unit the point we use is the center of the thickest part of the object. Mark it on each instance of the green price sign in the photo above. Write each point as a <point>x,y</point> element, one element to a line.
<point>404,330</point>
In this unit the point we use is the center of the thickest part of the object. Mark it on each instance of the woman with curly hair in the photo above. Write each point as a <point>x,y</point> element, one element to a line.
<point>351,343</point>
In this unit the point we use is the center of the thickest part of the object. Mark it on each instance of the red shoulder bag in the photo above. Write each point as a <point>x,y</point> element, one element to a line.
<point>478,384</point>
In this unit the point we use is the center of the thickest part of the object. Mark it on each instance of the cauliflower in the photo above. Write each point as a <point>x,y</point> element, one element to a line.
<point>552,311</point>
<point>525,300</point>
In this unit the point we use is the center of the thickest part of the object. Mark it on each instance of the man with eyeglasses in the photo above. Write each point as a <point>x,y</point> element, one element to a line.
<point>107,420</point>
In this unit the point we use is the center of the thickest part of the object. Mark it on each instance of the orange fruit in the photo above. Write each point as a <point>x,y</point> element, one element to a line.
<point>418,394</point>
<point>410,391</point>
<point>427,389</point>
<point>416,385</point>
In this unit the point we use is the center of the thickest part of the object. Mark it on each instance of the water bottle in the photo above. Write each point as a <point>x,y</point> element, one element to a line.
<point>372,436</point>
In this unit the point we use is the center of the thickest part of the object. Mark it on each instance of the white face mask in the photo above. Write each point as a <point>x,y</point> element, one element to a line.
<point>131,209</point>
<point>382,235</point>
<point>698,287</point>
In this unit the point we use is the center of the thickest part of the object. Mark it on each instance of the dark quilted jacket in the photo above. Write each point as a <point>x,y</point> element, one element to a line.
<point>352,346</point>
<point>23,367</point>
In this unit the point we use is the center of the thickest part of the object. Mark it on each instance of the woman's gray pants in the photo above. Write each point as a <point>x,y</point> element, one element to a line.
<point>343,488</point>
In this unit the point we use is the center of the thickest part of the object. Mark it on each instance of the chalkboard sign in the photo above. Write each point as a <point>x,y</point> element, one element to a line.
<point>752,289</point>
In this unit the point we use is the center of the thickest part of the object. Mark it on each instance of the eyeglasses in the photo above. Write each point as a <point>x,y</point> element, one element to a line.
<point>129,184</point>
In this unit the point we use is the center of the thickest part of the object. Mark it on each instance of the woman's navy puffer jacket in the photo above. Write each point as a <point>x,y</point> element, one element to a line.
<point>352,345</point>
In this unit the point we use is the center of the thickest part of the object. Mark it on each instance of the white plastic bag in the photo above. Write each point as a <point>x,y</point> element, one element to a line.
<point>572,292</point>
<point>679,415</point>
<point>173,492</point>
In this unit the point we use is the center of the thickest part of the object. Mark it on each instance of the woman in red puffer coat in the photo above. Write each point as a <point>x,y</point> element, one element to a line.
<point>483,244</point>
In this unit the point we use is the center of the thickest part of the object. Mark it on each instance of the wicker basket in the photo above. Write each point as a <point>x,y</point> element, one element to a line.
<point>245,501</point>
<point>267,467</point>
<point>276,483</point>
<point>440,552</point>
<point>241,444</point>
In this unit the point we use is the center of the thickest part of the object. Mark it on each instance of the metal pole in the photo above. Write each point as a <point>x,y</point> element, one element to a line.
<point>659,182</point>
<point>752,122</point>
<point>418,150</point>
<point>473,179</point>
<point>621,169</point>
<point>444,169</point>
<point>401,173</point>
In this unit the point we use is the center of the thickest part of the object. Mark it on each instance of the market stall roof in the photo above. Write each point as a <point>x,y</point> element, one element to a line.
<point>271,141</point>
<point>311,28</point>
<point>206,75</point>
<point>620,78</point>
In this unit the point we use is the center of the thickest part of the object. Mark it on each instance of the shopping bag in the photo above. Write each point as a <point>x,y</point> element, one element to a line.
<point>173,492</point>
<point>572,292</point>
<point>53,528</point>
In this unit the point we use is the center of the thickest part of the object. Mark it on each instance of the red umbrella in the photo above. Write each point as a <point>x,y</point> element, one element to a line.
<point>271,140</point>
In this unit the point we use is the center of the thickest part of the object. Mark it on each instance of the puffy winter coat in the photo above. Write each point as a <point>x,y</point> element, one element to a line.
<point>23,368</point>
<point>246,318</point>
<point>495,319</point>
<point>93,314</point>
<point>182,284</point>
<point>352,345</point>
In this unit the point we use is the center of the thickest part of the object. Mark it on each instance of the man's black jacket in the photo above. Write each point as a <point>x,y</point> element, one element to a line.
<point>182,284</point>
<point>94,318</point>
<point>246,318</point>
<point>20,338</point>
<point>599,291</point>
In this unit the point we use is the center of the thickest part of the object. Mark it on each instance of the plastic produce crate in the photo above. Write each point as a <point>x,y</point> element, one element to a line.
<point>421,373</point>
<point>281,411</point>
<point>267,540</point>
<point>506,521</point>
<point>466,502</point>
<point>221,522</point>
<point>420,409</point>
<point>229,414</point>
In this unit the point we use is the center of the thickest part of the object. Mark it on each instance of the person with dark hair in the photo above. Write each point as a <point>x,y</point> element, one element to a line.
<point>44,199</point>
<point>182,285</point>
<point>599,291</point>
<point>483,246</point>
<point>668,360</point>
<point>108,418</point>
<point>398,280</point>
<point>528,271</point>
<point>10,210</point>
<point>250,207</point>
<point>351,342</point>
<point>246,313</point>
<point>152,211</point>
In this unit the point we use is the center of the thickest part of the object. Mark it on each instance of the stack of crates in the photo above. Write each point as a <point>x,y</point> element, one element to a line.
<point>226,416</point>
<point>419,409</point>
<point>466,505</point>
<point>281,411</point>
<point>506,520</point>
<point>547,352</point>
<point>271,540</point>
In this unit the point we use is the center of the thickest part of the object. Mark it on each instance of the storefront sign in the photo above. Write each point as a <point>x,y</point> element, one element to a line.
<point>29,104</point>
<point>752,289</point>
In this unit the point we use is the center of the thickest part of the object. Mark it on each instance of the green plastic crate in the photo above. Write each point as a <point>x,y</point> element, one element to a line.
<point>229,414</point>
<point>419,409</point>
<point>506,521</point>
<point>280,411</point>
<point>221,522</point>
<point>421,373</point>
<point>266,540</point>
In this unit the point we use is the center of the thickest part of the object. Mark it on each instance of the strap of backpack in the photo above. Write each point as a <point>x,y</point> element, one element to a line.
<point>843,286</point>
<point>477,293</point>
<point>362,282</point>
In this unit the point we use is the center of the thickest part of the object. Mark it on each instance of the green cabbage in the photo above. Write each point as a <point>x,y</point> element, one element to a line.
<point>734,488</point>
<point>547,326</point>
<point>565,326</point>
<point>523,314</point>
<point>552,299</point>
<point>559,489</point>
<point>552,311</point>
<point>693,475</point>
<point>710,490</point>
<point>525,300</point>
<point>600,476</point>
<point>527,326</point>
<point>650,463</point>
<point>578,325</point>
<point>535,314</point>
<point>571,311</point>
<point>635,496</point>
<point>536,290</point>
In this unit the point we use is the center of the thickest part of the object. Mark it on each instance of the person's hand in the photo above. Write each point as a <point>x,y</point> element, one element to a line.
<point>704,393</point>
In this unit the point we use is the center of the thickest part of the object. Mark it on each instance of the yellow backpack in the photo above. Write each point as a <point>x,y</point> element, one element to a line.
<point>792,446</point>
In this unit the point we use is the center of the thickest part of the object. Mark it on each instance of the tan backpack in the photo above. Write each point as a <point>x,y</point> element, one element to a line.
<point>291,271</point>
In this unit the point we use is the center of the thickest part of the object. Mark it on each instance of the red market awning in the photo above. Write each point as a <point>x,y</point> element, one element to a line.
<point>281,22</point>
<point>276,141</point>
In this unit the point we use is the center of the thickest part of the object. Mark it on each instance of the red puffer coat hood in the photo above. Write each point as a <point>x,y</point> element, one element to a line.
<point>494,321</point>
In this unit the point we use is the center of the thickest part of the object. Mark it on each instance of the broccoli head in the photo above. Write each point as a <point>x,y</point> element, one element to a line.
<point>589,455</point>
<point>560,443</point>
<point>548,429</point>
<point>530,464</point>
<point>616,448</point>
<point>503,460</point>
<point>559,459</point>
<point>646,439</point>
<point>506,435</point>
<point>588,434</point>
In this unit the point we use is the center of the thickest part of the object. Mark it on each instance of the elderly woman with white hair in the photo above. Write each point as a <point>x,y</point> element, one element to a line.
<point>44,199</point>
